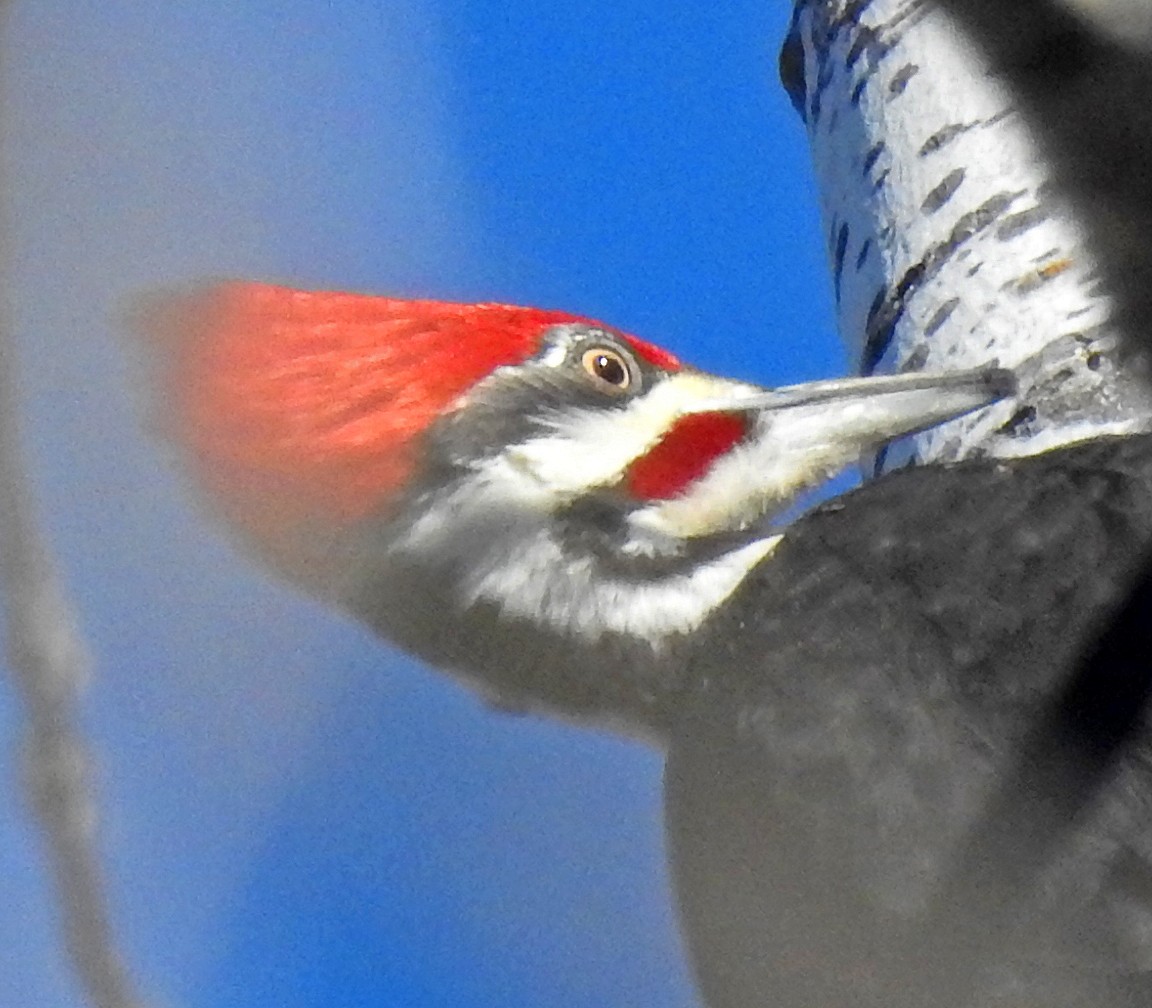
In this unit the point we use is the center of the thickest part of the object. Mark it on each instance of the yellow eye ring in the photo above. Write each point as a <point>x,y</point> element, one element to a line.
<point>608,368</point>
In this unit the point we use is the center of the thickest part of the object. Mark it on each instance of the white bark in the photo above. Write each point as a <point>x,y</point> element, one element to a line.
<point>950,245</point>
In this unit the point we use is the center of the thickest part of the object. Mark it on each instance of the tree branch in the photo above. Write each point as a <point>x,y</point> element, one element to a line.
<point>48,663</point>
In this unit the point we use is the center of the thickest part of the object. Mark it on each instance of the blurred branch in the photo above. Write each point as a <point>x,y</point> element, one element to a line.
<point>48,664</point>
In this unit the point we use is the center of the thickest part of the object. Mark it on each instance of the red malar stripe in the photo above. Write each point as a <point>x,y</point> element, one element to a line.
<point>684,454</point>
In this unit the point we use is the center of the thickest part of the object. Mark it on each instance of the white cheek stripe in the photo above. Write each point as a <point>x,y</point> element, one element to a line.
<point>496,527</point>
<point>541,583</point>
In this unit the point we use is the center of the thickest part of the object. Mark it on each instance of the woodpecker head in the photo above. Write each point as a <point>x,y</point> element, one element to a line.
<point>508,492</point>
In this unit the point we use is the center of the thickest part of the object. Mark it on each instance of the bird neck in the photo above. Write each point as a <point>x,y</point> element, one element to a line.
<point>539,619</point>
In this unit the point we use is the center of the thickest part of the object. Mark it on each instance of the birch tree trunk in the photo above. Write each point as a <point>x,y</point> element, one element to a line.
<point>950,243</point>
<point>934,789</point>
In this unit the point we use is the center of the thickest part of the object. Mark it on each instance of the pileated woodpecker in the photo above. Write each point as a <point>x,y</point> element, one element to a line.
<point>544,505</point>
<point>574,521</point>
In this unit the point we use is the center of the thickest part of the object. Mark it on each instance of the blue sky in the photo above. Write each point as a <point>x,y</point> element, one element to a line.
<point>295,816</point>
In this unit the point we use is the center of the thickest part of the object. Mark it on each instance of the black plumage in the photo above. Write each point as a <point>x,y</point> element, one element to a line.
<point>858,710</point>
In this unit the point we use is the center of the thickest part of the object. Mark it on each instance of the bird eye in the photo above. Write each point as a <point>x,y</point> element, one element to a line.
<point>607,367</point>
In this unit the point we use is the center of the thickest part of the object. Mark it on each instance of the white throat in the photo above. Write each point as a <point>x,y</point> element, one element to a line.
<point>497,532</point>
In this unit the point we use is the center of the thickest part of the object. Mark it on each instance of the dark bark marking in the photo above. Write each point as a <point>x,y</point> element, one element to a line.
<point>943,192</point>
<point>872,157</point>
<point>885,313</point>
<point>901,78</point>
<point>838,259</point>
<point>940,316</point>
<point>1018,223</point>
<point>942,137</point>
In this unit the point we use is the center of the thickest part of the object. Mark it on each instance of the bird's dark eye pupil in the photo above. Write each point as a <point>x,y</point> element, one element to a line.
<point>610,369</point>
